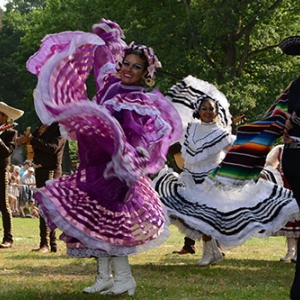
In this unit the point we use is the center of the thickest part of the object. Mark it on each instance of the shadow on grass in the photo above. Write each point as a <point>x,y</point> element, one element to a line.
<point>166,263</point>
<point>170,278</point>
<point>39,256</point>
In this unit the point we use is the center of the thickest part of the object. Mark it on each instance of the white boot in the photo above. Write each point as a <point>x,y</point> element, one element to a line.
<point>291,250</point>
<point>294,259</point>
<point>104,279</point>
<point>211,253</point>
<point>124,282</point>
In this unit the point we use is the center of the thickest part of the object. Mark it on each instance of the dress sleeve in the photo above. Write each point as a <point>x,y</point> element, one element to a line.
<point>64,62</point>
<point>103,65</point>
<point>62,65</point>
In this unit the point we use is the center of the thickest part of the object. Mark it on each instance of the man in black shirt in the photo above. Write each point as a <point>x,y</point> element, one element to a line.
<point>8,138</point>
<point>48,146</point>
<point>291,152</point>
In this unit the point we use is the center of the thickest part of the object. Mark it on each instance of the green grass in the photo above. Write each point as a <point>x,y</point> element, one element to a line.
<point>250,271</point>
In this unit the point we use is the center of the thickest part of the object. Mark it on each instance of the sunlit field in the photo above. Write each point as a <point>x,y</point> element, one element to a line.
<point>250,271</point>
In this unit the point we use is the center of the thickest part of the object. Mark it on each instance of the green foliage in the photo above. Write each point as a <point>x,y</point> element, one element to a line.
<point>24,6</point>
<point>73,150</point>
<point>11,88</point>
<point>232,44</point>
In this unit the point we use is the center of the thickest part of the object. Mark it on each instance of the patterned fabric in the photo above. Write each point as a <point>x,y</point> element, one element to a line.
<point>204,148</point>
<point>229,214</point>
<point>108,206</point>
<point>246,158</point>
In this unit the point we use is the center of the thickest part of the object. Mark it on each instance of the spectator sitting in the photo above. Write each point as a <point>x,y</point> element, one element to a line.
<point>28,182</point>
<point>13,195</point>
<point>29,178</point>
<point>29,210</point>
<point>23,170</point>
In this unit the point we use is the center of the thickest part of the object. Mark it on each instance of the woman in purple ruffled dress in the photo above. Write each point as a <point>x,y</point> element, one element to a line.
<point>107,209</point>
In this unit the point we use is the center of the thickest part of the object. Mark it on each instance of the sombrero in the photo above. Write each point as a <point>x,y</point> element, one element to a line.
<point>10,111</point>
<point>291,45</point>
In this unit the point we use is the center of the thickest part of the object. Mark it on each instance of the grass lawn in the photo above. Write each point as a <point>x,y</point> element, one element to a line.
<point>251,271</point>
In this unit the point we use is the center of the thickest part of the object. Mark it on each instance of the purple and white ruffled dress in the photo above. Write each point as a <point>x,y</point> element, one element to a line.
<point>108,206</point>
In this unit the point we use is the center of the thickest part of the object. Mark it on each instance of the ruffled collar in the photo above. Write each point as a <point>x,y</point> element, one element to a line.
<point>207,124</point>
<point>138,87</point>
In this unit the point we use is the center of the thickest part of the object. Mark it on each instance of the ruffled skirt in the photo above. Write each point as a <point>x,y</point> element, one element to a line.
<point>107,207</point>
<point>230,214</point>
<point>94,228</point>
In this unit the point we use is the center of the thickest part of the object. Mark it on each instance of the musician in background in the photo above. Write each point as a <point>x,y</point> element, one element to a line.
<point>8,138</point>
<point>48,147</point>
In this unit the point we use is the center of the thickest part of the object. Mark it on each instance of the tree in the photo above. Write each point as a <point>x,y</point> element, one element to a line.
<point>11,88</point>
<point>232,44</point>
<point>22,6</point>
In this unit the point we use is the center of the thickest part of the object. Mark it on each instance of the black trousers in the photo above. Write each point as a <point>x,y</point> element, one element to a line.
<point>291,170</point>
<point>5,208</point>
<point>47,237</point>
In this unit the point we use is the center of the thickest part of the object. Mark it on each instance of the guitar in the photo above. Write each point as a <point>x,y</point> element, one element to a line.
<point>7,126</point>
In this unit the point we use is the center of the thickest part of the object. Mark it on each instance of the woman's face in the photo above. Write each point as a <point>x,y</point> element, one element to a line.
<point>207,111</point>
<point>132,70</point>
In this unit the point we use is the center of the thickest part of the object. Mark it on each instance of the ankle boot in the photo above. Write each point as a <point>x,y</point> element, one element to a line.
<point>291,250</point>
<point>294,259</point>
<point>295,289</point>
<point>211,253</point>
<point>188,247</point>
<point>104,279</point>
<point>124,282</point>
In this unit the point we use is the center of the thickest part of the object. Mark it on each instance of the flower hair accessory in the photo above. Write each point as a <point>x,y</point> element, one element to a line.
<point>152,59</point>
<point>199,100</point>
<point>197,103</point>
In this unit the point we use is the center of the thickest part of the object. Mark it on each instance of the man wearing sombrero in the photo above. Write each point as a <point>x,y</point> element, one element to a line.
<point>291,153</point>
<point>8,138</point>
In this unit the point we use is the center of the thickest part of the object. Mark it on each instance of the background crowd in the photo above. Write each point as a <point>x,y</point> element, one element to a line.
<point>20,190</point>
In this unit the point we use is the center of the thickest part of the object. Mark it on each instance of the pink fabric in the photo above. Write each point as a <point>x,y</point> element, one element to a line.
<point>123,135</point>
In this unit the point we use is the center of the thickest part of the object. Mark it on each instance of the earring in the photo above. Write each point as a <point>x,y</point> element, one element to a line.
<point>149,81</point>
<point>118,75</point>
